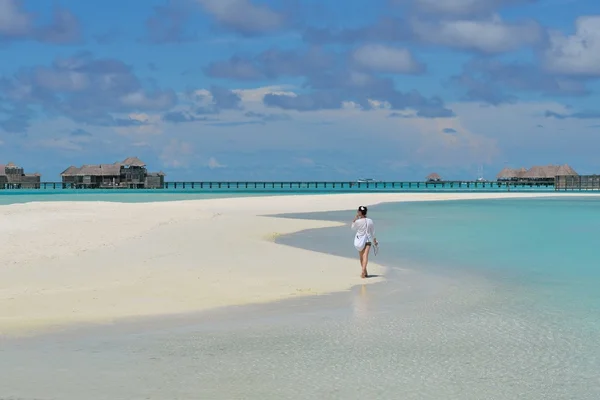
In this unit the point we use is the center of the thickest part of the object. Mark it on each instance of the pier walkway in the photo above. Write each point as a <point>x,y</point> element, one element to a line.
<point>314,186</point>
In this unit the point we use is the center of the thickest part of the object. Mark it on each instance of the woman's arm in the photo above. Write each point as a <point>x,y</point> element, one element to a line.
<point>354,227</point>
<point>371,229</point>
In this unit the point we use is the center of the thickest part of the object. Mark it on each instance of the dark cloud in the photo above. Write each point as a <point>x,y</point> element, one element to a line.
<point>221,99</point>
<point>459,8</point>
<point>167,24</point>
<point>14,118</point>
<point>210,109</point>
<point>272,64</point>
<point>488,80</point>
<point>245,17</point>
<point>17,122</point>
<point>319,100</point>
<point>268,117</point>
<point>449,130</point>
<point>333,78</point>
<point>225,99</point>
<point>398,115</point>
<point>577,115</point>
<point>85,89</point>
<point>123,122</point>
<point>235,123</point>
<point>236,67</point>
<point>107,37</point>
<point>479,34</point>
<point>334,99</point>
<point>19,24</point>
<point>64,28</point>
<point>80,132</point>
<point>361,87</point>
<point>386,29</point>
<point>177,117</point>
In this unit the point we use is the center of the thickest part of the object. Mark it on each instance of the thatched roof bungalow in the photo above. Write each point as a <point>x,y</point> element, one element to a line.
<point>508,174</point>
<point>433,177</point>
<point>537,172</point>
<point>129,173</point>
<point>13,174</point>
<point>132,162</point>
<point>549,172</point>
<point>566,170</point>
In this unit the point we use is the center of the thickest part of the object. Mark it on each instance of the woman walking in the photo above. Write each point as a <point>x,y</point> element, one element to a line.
<point>364,238</point>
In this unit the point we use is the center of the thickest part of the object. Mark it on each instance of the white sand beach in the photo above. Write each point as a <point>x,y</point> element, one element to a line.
<point>96,262</point>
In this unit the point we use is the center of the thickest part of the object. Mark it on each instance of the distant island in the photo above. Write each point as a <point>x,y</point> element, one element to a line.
<point>131,173</point>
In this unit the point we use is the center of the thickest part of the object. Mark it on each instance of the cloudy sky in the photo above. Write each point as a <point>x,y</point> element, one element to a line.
<point>300,89</point>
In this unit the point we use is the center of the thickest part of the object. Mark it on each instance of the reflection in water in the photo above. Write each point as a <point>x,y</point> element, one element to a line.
<point>361,303</point>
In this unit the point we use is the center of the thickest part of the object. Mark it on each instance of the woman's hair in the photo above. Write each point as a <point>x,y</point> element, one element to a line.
<point>362,210</point>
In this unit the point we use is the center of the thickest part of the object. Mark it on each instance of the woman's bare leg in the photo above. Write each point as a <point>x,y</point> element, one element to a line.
<point>364,260</point>
<point>360,258</point>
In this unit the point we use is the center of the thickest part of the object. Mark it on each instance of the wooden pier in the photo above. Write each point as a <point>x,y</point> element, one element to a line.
<point>299,186</point>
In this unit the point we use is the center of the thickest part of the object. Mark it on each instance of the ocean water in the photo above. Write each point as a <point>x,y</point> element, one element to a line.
<point>124,196</point>
<point>548,244</point>
<point>12,196</point>
<point>540,260</point>
<point>492,299</point>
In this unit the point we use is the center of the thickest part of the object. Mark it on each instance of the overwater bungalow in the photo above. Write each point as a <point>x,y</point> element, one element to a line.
<point>433,177</point>
<point>548,172</point>
<point>537,173</point>
<point>510,174</point>
<point>130,173</point>
<point>11,175</point>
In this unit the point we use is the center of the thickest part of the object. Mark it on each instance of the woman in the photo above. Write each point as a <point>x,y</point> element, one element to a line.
<point>364,237</point>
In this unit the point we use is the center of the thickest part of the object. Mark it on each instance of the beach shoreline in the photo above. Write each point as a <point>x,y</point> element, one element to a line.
<point>70,263</point>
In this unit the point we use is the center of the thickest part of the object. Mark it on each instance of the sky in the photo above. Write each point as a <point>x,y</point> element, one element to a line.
<point>300,89</point>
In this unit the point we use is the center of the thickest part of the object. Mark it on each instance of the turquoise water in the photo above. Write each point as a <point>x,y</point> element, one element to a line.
<point>540,314</point>
<point>126,196</point>
<point>547,245</point>
<point>11,196</point>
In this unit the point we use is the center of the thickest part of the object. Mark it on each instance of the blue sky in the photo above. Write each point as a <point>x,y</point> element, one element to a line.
<point>300,89</point>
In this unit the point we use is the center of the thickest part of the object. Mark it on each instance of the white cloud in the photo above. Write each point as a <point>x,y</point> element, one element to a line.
<point>141,100</point>
<point>577,54</point>
<point>490,35</point>
<point>177,154</point>
<point>305,161</point>
<point>382,58</point>
<point>256,95</point>
<point>243,15</point>
<point>329,137</point>
<point>213,163</point>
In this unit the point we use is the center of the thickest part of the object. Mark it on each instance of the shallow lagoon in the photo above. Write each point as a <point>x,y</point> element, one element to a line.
<point>453,321</point>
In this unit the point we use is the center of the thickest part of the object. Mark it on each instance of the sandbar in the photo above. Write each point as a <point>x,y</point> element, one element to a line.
<point>69,263</point>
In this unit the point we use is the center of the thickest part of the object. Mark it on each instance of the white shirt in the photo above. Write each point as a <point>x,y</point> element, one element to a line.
<point>364,226</point>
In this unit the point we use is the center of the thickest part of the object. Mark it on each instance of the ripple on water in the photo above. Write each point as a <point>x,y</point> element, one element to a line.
<point>462,340</point>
